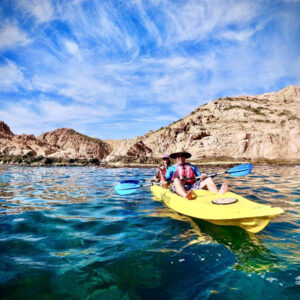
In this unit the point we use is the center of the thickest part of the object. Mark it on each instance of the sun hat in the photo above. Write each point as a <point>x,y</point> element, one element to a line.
<point>165,156</point>
<point>183,153</point>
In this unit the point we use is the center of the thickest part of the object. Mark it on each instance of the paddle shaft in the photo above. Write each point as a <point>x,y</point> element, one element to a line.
<point>226,172</point>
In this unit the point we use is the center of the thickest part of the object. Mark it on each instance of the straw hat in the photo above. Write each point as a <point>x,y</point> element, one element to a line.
<point>183,153</point>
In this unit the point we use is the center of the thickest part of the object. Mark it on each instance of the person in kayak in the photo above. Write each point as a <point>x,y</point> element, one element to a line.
<point>183,175</point>
<point>160,173</point>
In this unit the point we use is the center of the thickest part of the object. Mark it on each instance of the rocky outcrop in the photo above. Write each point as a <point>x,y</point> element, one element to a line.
<point>5,132</point>
<point>139,149</point>
<point>259,127</point>
<point>22,145</point>
<point>57,146</point>
<point>74,145</point>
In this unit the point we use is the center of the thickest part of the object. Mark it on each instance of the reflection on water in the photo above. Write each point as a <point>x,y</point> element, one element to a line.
<point>64,233</point>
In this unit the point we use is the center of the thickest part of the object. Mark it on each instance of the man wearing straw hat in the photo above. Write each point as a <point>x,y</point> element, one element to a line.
<point>184,175</point>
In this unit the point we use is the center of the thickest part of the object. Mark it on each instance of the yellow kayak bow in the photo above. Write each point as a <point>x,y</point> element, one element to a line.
<point>228,209</point>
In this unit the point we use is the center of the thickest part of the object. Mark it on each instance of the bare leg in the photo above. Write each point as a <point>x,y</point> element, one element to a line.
<point>180,190</point>
<point>209,184</point>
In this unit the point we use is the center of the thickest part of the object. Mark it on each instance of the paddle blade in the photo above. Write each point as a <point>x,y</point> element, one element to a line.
<point>130,181</point>
<point>241,170</point>
<point>126,188</point>
<point>135,181</point>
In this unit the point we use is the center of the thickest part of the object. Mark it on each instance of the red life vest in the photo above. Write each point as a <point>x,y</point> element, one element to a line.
<point>161,174</point>
<point>185,173</point>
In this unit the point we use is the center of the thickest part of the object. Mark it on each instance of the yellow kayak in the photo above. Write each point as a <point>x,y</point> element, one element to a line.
<point>227,209</point>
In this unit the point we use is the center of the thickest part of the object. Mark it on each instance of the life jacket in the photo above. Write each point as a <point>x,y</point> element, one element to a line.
<point>185,173</point>
<point>161,173</point>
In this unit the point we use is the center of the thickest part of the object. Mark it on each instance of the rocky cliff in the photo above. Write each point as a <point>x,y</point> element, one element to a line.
<point>72,144</point>
<point>262,127</point>
<point>58,146</point>
<point>22,145</point>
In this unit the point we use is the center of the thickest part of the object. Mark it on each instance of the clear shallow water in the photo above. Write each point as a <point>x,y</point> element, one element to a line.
<point>65,234</point>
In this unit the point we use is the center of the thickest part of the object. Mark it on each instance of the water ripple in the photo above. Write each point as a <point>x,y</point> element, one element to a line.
<point>64,233</point>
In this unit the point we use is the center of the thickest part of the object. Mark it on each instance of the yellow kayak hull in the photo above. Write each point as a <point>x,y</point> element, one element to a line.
<point>249,215</point>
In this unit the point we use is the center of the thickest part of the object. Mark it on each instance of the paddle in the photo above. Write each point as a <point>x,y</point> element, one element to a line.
<point>237,171</point>
<point>127,187</point>
<point>135,181</point>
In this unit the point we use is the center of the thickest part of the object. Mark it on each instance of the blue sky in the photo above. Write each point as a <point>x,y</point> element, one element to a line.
<point>117,69</point>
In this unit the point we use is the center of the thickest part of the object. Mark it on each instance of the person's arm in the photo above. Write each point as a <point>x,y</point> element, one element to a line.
<point>156,176</point>
<point>197,172</point>
<point>169,173</point>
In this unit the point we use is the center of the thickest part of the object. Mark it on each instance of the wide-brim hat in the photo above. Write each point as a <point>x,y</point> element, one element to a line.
<point>184,153</point>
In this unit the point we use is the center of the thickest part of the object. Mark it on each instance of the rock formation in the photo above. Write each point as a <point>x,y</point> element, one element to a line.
<point>5,132</point>
<point>22,145</point>
<point>263,127</point>
<point>74,145</point>
<point>139,149</point>
<point>62,144</point>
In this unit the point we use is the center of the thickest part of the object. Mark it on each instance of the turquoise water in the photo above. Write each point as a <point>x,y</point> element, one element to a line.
<point>65,234</point>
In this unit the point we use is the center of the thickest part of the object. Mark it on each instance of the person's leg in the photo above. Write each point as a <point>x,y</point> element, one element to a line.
<point>180,190</point>
<point>209,184</point>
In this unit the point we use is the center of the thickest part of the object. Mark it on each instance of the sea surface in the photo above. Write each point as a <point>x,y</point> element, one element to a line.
<point>65,234</point>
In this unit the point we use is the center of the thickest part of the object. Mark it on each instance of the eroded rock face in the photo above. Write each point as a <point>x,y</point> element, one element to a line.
<point>252,127</point>
<point>21,145</point>
<point>61,143</point>
<point>5,131</point>
<point>139,149</point>
<point>72,144</point>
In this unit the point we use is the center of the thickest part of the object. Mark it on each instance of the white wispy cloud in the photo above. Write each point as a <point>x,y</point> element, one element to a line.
<point>42,10</point>
<point>11,77</point>
<point>11,36</point>
<point>73,48</point>
<point>81,84</point>
<point>48,113</point>
<point>195,20</point>
<point>53,112</point>
<point>241,35</point>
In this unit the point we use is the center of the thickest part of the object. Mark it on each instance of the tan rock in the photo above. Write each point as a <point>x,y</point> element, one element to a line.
<point>5,131</point>
<point>251,127</point>
<point>60,143</point>
<point>72,144</point>
<point>139,149</point>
